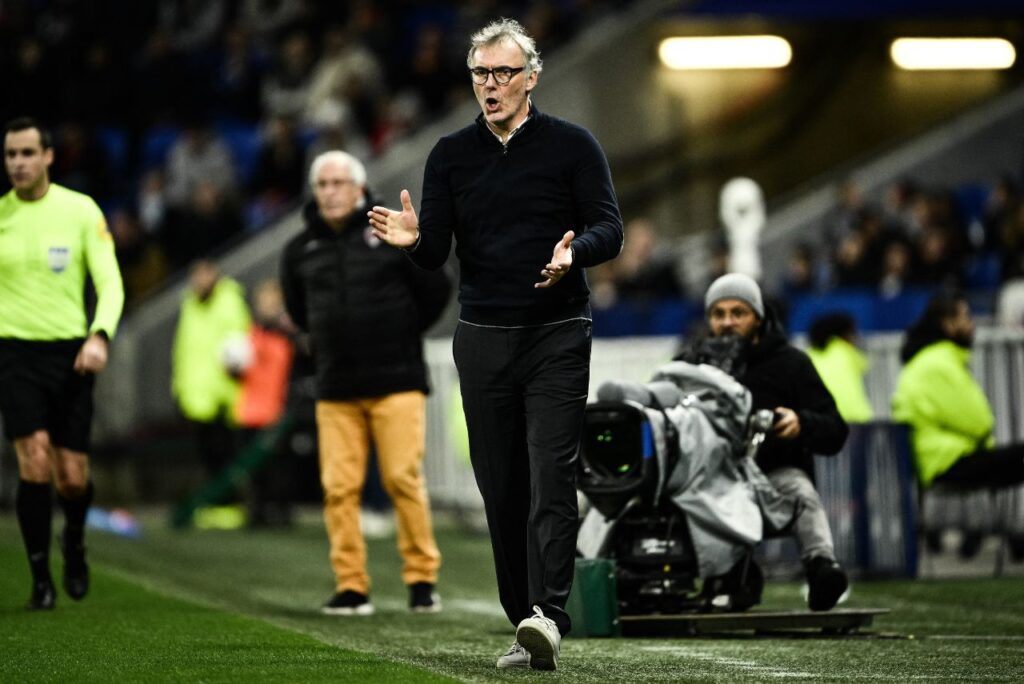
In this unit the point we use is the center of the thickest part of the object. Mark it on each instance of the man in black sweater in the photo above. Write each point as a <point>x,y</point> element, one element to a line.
<point>510,187</point>
<point>782,379</point>
<point>365,308</point>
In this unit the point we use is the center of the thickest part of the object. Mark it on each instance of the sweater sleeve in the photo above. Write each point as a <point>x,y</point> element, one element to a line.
<point>105,274</point>
<point>292,290</point>
<point>822,429</point>
<point>437,215</point>
<point>601,236</point>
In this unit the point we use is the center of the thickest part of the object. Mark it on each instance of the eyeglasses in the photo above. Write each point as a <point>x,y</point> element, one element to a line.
<point>502,75</point>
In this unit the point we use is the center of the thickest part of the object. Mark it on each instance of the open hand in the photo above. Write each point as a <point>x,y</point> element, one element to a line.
<point>397,228</point>
<point>561,260</point>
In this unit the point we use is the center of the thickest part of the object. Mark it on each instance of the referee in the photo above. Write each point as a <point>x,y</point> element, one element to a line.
<point>50,239</point>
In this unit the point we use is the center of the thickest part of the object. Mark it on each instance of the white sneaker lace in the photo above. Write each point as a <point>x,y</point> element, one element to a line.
<point>515,649</point>
<point>546,621</point>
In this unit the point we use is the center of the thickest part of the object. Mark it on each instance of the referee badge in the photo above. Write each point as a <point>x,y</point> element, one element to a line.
<point>59,258</point>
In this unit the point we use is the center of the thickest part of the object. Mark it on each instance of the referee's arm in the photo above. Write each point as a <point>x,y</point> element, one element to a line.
<point>106,278</point>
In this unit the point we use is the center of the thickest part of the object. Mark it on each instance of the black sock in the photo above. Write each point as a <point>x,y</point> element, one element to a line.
<point>75,511</point>
<point>34,507</point>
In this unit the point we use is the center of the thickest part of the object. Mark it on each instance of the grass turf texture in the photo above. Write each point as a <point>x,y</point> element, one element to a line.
<point>242,606</point>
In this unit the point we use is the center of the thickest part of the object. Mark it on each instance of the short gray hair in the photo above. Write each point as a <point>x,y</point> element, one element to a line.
<point>506,30</point>
<point>354,166</point>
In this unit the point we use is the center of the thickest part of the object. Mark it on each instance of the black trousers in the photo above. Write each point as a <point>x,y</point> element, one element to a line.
<point>999,467</point>
<point>524,391</point>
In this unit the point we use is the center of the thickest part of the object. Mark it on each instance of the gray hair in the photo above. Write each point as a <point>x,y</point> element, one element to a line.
<point>506,30</point>
<point>354,166</point>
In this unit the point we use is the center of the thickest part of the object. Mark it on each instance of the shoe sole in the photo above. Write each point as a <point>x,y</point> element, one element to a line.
<point>540,648</point>
<point>827,592</point>
<point>363,610</point>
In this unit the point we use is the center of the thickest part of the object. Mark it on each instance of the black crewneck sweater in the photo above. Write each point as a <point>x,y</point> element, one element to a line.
<point>507,206</point>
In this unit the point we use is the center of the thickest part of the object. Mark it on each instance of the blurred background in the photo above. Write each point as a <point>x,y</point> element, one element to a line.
<point>876,180</point>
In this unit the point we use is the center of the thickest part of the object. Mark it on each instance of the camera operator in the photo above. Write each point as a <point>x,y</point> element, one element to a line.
<point>782,379</point>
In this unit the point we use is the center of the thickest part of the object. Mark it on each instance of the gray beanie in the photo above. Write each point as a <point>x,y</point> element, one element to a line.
<point>735,286</point>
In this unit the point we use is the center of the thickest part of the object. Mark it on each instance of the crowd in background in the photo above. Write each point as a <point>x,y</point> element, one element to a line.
<point>192,122</point>
<point>916,238</point>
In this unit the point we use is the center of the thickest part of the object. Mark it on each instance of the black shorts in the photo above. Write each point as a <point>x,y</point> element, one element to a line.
<point>40,390</point>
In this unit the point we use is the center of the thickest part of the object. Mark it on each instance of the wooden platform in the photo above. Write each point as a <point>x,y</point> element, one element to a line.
<point>837,621</point>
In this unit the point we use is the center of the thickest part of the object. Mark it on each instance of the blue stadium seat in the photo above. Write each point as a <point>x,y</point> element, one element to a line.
<point>156,144</point>
<point>114,142</point>
<point>243,140</point>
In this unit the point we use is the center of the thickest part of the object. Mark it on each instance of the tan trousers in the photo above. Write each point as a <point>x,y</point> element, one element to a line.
<point>396,423</point>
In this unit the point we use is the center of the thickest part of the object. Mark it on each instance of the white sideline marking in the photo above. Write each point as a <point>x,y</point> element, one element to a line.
<point>974,637</point>
<point>477,606</point>
<point>748,666</point>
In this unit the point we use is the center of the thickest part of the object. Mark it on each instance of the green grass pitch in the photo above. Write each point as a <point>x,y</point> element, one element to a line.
<point>243,606</point>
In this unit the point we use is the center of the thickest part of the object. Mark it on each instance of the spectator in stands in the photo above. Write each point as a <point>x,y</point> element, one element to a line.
<point>236,76</point>
<point>206,359</point>
<point>366,308</point>
<point>152,203</point>
<point>80,162</point>
<point>160,83</point>
<point>782,379</point>
<point>345,89</point>
<point>858,256</point>
<point>143,266</point>
<point>800,278</point>
<point>844,218</point>
<point>285,89</point>
<point>950,417</point>
<point>898,209</point>
<point>1011,239</point>
<point>281,162</point>
<point>268,20</point>
<point>205,223</point>
<point>1002,201</point>
<point>840,364</point>
<point>199,157</point>
<point>645,270</point>
<point>191,25</point>
<point>429,74</point>
<point>897,268</point>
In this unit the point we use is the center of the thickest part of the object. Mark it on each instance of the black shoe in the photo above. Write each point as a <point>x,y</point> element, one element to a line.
<point>933,541</point>
<point>970,545</point>
<point>423,598</point>
<point>1016,543</point>
<point>826,581</point>
<point>348,602</point>
<point>76,570</point>
<point>44,595</point>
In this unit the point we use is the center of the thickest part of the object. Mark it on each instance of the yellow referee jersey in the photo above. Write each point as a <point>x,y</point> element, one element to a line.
<point>47,247</point>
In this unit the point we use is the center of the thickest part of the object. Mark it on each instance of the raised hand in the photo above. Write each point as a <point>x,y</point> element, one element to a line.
<point>397,228</point>
<point>561,260</point>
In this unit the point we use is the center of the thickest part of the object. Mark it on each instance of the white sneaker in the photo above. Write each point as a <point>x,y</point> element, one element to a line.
<point>517,656</point>
<point>540,637</point>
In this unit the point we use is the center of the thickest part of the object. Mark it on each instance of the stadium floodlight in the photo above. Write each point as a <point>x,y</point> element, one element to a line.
<point>725,52</point>
<point>923,54</point>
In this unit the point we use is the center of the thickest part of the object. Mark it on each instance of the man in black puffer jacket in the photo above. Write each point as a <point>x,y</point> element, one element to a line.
<point>782,379</point>
<point>365,307</point>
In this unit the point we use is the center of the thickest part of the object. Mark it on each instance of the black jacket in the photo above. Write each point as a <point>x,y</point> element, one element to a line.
<point>779,374</point>
<point>507,206</point>
<point>364,305</point>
